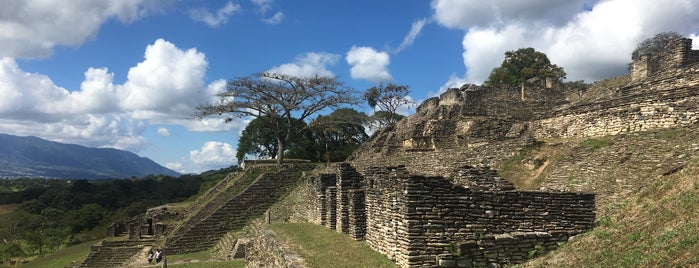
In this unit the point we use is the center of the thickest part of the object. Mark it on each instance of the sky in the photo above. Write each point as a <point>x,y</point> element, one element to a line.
<point>129,74</point>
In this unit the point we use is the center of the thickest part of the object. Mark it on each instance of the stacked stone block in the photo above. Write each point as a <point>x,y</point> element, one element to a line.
<point>348,179</point>
<point>430,221</point>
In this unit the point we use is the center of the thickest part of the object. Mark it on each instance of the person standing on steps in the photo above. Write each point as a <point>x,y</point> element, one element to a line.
<point>150,256</point>
<point>158,256</point>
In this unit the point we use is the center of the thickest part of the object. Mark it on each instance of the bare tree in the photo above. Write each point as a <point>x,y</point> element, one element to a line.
<point>280,98</point>
<point>388,98</point>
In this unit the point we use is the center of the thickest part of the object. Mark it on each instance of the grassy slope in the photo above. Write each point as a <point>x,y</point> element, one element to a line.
<point>62,257</point>
<point>647,187</point>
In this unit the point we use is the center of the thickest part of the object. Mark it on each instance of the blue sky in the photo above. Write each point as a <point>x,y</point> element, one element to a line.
<point>128,74</point>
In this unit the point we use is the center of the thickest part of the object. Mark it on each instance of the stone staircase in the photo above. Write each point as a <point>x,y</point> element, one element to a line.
<point>108,254</point>
<point>249,196</point>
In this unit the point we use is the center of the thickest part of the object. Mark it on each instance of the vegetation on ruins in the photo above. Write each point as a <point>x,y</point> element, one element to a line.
<point>654,46</point>
<point>388,98</point>
<point>50,214</point>
<point>279,98</point>
<point>524,64</point>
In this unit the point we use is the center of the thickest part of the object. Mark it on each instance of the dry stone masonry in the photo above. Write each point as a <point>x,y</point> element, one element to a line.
<point>430,221</point>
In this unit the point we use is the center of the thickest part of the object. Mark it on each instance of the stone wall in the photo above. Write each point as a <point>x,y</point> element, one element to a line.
<point>664,102</point>
<point>415,219</point>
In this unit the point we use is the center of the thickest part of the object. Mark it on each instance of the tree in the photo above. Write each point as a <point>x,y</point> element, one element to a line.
<point>654,46</point>
<point>339,133</point>
<point>279,98</point>
<point>387,98</point>
<point>523,64</point>
<point>258,138</point>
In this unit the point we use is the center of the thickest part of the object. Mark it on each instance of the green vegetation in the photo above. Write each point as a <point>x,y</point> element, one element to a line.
<point>280,100</point>
<point>201,259</point>
<point>42,216</point>
<point>523,64</point>
<point>62,257</point>
<point>656,228</point>
<point>594,144</point>
<point>322,247</point>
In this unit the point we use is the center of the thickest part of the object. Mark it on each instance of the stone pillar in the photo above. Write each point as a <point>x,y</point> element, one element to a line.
<point>640,69</point>
<point>347,179</point>
<point>357,214</point>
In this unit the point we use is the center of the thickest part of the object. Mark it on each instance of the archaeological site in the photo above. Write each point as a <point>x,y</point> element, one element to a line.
<point>427,192</point>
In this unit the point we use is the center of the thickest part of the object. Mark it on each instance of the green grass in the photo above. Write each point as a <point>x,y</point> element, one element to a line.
<point>594,144</point>
<point>210,264</point>
<point>322,247</point>
<point>62,257</point>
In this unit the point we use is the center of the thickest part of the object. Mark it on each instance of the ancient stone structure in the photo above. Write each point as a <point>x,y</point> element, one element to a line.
<point>430,221</point>
<point>430,198</point>
<point>481,125</point>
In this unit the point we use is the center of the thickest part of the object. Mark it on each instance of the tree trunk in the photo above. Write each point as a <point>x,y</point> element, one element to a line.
<point>280,152</point>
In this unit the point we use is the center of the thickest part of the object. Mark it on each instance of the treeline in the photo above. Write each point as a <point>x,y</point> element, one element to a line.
<point>42,215</point>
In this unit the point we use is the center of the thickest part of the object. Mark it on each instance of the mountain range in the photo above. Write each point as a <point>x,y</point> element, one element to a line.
<point>35,157</point>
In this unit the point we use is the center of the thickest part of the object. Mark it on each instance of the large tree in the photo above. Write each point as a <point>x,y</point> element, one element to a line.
<point>259,140</point>
<point>280,98</point>
<point>523,64</point>
<point>338,134</point>
<point>388,98</point>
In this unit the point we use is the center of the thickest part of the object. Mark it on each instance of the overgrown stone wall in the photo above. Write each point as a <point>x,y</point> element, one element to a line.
<point>426,221</point>
<point>661,103</point>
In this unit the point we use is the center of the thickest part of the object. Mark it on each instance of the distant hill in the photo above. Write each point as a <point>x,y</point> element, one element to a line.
<point>35,157</point>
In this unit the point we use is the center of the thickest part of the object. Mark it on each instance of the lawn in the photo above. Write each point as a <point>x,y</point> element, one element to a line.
<point>322,247</point>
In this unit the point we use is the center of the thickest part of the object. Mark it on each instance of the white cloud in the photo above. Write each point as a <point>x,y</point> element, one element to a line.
<point>275,19</point>
<point>464,14</point>
<point>263,5</point>
<point>308,65</point>
<point>415,30</point>
<point>167,85</point>
<point>214,153</point>
<point>163,132</point>
<point>367,63</point>
<point>164,88</point>
<point>211,19</point>
<point>30,29</point>
<point>590,40</point>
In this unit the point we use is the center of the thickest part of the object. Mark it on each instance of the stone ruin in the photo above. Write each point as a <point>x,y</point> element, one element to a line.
<point>430,221</point>
<point>412,191</point>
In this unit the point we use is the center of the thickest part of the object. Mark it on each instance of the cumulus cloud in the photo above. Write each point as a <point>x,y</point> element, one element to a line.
<point>415,30</point>
<point>369,64</point>
<point>308,65</point>
<point>31,29</point>
<point>214,19</point>
<point>164,88</point>
<point>591,40</point>
<point>214,153</point>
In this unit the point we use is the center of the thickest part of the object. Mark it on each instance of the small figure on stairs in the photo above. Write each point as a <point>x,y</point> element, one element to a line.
<point>158,256</point>
<point>150,256</point>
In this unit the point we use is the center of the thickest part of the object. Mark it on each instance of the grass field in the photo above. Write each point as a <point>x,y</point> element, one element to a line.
<point>62,257</point>
<point>322,247</point>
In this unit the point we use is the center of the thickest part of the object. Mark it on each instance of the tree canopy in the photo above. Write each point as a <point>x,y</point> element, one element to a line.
<point>523,64</point>
<point>280,99</point>
<point>655,45</point>
<point>388,98</point>
<point>339,133</point>
<point>259,140</point>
